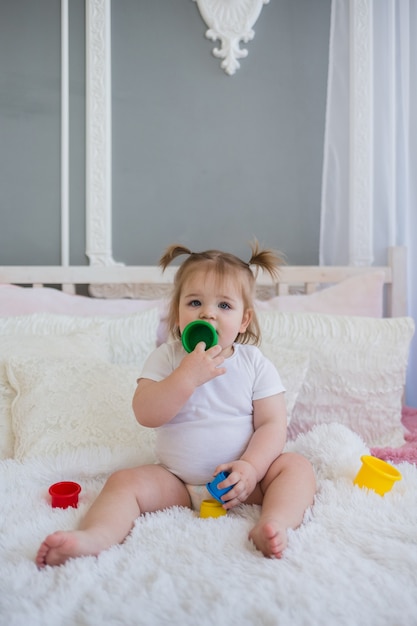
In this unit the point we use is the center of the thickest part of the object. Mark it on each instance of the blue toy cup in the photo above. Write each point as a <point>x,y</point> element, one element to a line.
<point>213,489</point>
<point>197,331</point>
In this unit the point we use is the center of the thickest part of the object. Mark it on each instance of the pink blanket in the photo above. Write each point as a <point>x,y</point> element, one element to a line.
<point>408,451</point>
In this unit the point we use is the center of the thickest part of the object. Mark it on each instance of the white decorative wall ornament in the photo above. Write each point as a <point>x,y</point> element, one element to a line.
<point>230,21</point>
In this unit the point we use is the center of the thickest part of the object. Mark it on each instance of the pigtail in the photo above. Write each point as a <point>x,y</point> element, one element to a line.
<point>268,260</point>
<point>171,253</point>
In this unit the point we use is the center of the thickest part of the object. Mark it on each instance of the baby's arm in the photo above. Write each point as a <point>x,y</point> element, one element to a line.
<point>156,403</point>
<point>265,445</point>
<point>270,433</point>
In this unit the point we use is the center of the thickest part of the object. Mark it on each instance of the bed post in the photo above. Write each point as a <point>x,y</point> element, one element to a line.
<point>397,288</point>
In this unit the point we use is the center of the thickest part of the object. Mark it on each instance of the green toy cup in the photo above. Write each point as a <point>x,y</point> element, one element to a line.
<point>197,331</point>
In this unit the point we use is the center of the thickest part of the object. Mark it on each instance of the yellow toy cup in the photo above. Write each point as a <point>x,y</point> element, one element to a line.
<point>211,508</point>
<point>376,474</point>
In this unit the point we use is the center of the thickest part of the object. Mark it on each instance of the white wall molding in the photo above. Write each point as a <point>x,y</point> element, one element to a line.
<point>65,236</point>
<point>230,22</point>
<point>361,154</point>
<point>98,133</point>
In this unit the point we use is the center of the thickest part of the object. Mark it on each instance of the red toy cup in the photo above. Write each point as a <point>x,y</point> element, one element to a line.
<point>64,494</point>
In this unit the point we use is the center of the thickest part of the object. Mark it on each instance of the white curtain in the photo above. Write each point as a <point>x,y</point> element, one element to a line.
<point>369,191</point>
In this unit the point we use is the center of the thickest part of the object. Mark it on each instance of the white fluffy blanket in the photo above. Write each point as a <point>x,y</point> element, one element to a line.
<point>352,562</point>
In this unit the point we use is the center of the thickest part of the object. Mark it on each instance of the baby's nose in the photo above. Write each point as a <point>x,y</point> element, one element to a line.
<point>207,313</point>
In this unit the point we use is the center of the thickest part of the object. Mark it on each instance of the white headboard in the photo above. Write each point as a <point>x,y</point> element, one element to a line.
<point>149,282</point>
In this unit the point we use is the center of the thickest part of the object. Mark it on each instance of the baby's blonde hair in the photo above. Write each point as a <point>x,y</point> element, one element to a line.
<point>223,264</point>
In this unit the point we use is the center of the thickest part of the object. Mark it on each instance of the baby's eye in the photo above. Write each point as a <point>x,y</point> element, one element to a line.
<point>224,305</point>
<point>195,303</point>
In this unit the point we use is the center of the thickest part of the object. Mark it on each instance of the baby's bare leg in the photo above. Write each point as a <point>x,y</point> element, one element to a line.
<point>288,490</point>
<point>126,495</point>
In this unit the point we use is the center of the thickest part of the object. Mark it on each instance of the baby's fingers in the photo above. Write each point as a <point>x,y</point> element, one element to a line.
<point>200,347</point>
<point>231,499</point>
<point>214,350</point>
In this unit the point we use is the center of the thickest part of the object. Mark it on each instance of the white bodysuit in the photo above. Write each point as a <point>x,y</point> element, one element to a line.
<point>216,423</point>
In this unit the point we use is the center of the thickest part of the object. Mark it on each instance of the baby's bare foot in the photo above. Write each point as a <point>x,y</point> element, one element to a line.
<point>63,545</point>
<point>269,538</point>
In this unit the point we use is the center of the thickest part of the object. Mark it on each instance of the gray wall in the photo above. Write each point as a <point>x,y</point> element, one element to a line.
<point>199,157</point>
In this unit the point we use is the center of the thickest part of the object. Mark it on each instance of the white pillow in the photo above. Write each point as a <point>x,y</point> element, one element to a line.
<point>126,340</point>
<point>356,374</point>
<point>16,300</point>
<point>92,343</point>
<point>130,337</point>
<point>292,366</point>
<point>358,295</point>
<point>68,405</point>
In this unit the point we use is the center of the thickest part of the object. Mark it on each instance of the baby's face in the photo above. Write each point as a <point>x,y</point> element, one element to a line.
<point>203,297</point>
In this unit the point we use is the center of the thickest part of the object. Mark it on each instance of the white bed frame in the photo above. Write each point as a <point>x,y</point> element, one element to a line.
<point>149,282</point>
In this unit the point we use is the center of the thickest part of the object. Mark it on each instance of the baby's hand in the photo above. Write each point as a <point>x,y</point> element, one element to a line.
<point>200,365</point>
<point>243,476</point>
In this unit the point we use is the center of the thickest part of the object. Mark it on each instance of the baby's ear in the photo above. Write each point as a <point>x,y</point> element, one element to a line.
<point>246,320</point>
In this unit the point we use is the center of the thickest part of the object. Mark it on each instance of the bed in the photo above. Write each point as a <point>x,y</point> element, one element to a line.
<point>340,338</point>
